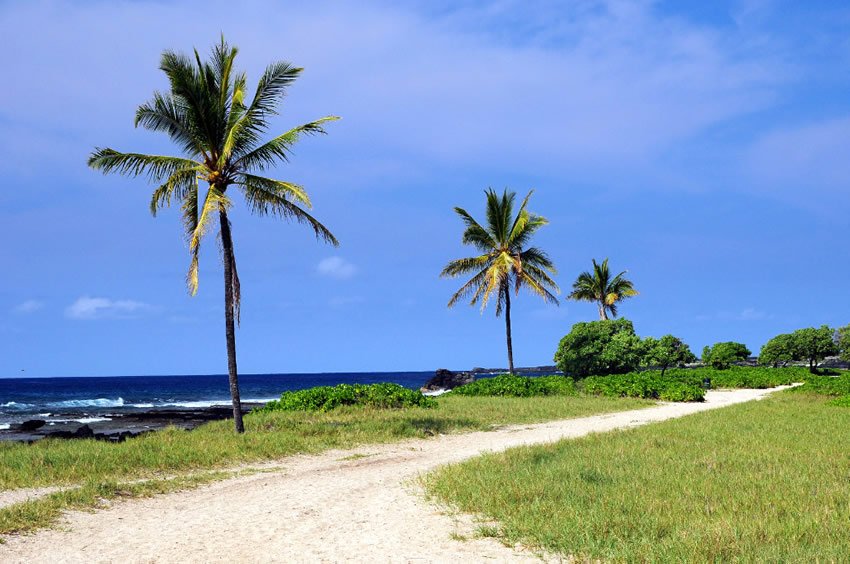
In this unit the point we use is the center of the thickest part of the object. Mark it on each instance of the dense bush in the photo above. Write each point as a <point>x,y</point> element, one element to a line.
<point>325,398</point>
<point>844,342</point>
<point>650,384</point>
<point>599,347</point>
<point>810,344</point>
<point>518,386</point>
<point>722,355</point>
<point>665,352</point>
<point>778,351</point>
<point>827,385</point>
<point>756,377</point>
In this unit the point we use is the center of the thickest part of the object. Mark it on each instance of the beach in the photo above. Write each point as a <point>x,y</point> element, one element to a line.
<point>344,505</point>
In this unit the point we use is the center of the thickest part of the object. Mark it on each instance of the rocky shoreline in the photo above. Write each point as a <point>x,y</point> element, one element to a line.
<point>115,426</point>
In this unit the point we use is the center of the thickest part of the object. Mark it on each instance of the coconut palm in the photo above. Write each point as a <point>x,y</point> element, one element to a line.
<point>599,287</point>
<point>506,261</point>
<point>206,113</point>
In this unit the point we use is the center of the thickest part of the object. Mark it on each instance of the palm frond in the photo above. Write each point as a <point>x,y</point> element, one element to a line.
<point>474,285</point>
<point>279,148</point>
<point>214,202</point>
<point>176,187</point>
<point>164,114</point>
<point>465,265</point>
<point>264,196</point>
<point>156,167</point>
<point>527,279</point>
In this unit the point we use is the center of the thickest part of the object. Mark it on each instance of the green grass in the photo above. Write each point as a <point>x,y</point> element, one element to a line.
<point>761,481</point>
<point>103,467</point>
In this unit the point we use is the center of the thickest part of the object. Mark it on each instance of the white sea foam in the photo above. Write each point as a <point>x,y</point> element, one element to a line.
<point>435,392</point>
<point>86,420</point>
<point>98,402</point>
<point>4,426</point>
<point>200,403</point>
<point>16,405</point>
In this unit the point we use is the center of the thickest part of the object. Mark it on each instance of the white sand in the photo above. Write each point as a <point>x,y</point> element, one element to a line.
<point>323,508</point>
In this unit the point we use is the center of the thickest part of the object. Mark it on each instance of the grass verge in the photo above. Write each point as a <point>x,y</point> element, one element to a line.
<point>101,467</point>
<point>761,481</point>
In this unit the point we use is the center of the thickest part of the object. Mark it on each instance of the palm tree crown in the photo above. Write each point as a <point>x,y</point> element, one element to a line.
<point>505,260</point>
<point>599,287</point>
<point>207,114</point>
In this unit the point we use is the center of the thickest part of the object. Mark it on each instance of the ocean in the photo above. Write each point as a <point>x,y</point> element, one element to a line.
<point>88,399</point>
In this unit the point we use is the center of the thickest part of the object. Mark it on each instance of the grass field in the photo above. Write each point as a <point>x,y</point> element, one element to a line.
<point>762,481</point>
<point>104,470</point>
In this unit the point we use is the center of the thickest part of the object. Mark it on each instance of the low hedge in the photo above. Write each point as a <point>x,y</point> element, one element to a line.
<point>326,398</point>
<point>827,385</point>
<point>648,385</point>
<point>518,386</point>
<point>742,376</point>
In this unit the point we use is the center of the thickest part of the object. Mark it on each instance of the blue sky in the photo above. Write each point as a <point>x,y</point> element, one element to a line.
<point>703,146</point>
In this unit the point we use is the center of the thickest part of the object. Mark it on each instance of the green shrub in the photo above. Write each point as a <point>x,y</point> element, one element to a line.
<point>326,398</point>
<point>665,352</point>
<point>756,377</point>
<point>827,385</point>
<point>778,351</point>
<point>599,347</point>
<point>722,355</point>
<point>650,385</point>
<point>518,386</point>
<point>843,334</point>
<point>841,402</point>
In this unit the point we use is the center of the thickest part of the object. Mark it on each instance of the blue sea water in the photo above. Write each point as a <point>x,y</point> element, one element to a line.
<point>90,397</point>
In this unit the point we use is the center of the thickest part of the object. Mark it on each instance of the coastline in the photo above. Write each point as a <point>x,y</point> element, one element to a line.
<point>117,426</point>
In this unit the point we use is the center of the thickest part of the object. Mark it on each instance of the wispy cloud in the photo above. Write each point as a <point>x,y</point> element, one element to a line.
<point>336,267</point>
<point>746,314</point>
<point>29,306</point>
<point>104,308</point>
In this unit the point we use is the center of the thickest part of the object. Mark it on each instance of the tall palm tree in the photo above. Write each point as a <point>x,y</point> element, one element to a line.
<point>599,287</point>
<point>506,261</point>
<point>206,114</point>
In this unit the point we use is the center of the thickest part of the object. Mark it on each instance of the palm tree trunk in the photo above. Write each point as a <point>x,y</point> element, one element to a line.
<point>508,329</point>
<point>603,315</point>
<point>230,329</point>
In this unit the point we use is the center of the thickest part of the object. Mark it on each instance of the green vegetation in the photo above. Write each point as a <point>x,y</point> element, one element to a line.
<point>826,385</point>
<point>841,402</point>
<point>325,398</point>
<point>599,347</point>
<point>206,114</point>
<point>507,261</point>
<point>761,481</point>
<point>650,385</point>
<point>843,334</point>
<point>723,355</point>
<point>666,352</point>
<point>598,287</point>
<point>519,386</point>
<point>810,344</point>
<point>173,452</point>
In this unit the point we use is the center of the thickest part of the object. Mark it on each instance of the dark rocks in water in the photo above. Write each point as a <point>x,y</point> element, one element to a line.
<point>447,380</point>
<point>117,427</point>
<point>32,425</point>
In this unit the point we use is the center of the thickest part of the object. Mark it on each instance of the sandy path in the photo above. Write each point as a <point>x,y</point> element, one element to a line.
<point>331,507</point>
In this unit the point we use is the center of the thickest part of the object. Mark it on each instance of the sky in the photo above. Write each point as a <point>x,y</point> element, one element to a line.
<point>704,147</point>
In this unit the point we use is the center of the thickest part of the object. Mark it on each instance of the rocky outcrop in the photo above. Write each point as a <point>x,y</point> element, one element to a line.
<point>447,380</point>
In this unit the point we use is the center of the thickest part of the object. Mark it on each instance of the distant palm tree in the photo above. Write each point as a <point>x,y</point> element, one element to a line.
<point>205,113</point>
<point>506,261</point>
<point>599,287</point>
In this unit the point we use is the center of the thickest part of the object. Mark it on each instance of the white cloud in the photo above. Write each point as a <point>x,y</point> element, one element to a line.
<point>336,267</point>
<point>746,314</point>
<point>105,308</point>
<point>29,306</point>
